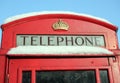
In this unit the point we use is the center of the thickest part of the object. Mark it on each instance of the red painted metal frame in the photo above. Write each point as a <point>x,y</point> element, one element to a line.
<point>17,66</point>
<point>42,24</point>
<point>96,69</point>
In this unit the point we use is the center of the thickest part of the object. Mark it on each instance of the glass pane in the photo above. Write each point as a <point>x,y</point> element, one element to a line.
<point>26,77</point>
<point>65,77</point>
<point>104,76</point>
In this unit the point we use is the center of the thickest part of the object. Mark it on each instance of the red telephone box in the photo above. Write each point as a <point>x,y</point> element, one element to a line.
<point>59,48</point>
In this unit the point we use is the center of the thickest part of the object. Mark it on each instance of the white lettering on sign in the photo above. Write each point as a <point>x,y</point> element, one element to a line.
<point>60,40</point>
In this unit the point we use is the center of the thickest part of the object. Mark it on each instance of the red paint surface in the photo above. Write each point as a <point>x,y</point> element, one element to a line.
<point>11,69</point>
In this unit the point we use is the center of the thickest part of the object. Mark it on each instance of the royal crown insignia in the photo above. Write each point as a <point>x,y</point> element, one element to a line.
<point>60,25</point>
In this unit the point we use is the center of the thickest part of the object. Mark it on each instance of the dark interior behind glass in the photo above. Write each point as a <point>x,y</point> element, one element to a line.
<point>65,76</point>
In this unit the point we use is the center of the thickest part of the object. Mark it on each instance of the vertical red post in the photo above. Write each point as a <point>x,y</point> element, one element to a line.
<point>2,68</point>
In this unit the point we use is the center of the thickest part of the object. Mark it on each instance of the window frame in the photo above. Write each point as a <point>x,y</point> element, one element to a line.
<point>33,72</point>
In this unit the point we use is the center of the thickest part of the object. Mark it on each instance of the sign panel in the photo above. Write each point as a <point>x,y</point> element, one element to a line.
<point>60,40</point>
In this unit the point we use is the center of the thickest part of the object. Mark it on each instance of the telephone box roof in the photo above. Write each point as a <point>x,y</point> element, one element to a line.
<point>10,19</point>
<point>58,14</point>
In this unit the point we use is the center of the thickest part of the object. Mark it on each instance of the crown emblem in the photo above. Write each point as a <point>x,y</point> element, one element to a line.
<point>60,25</point>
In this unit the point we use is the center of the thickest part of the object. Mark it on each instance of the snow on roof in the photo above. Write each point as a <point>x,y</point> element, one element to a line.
<point>59,50</point>
<point>10,19</point>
